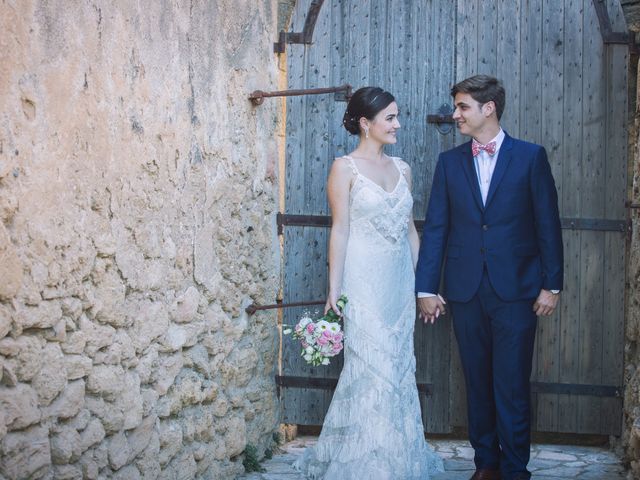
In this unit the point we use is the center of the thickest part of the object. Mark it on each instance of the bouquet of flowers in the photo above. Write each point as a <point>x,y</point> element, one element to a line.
<point>322,338</point>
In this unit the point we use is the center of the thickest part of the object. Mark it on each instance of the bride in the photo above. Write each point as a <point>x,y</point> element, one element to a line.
<point>373,429</point>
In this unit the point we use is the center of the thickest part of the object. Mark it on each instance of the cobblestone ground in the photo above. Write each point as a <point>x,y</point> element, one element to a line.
<point>548,462</point>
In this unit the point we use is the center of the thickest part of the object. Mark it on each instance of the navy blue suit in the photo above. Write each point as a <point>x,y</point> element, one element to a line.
<point>498,257</point>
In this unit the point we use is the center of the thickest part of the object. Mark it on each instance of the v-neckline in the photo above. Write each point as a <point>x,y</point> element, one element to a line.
<point>353,161</point>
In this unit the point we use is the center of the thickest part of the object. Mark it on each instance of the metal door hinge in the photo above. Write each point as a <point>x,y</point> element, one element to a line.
<point>304,37</point>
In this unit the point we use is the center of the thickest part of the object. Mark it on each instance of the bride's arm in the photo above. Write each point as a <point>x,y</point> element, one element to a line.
<point>338,187</point>
<point>414,239</point>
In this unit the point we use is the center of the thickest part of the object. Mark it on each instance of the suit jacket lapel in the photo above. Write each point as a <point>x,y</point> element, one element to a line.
<point>502,162</point>
<point>470,172</point>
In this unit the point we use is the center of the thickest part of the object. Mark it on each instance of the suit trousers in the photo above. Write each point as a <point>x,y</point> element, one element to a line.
<point>496,341</point>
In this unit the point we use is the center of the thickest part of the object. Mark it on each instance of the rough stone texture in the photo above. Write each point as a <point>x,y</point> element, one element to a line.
<point>630,440</point>
<point>137,208</point>
<point>631,10</point>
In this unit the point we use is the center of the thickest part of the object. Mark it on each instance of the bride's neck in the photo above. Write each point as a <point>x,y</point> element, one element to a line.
<point>370,150</point>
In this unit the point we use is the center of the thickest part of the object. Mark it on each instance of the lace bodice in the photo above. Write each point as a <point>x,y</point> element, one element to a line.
<point>374,211</point>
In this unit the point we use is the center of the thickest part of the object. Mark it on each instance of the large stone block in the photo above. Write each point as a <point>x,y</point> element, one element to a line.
<point>130,472</point>
<point>52,377</point>
<point>74,343</point>
<point>140,437</point>
<point>46,315</point>
<point>149,322</point>
<point>119,450</point>
<point>168,368</point>
<point>170,434</point>
<point>11,269</point>
<point>109,413</point>
<point>67,472</point>
<point>106,380</point>
<point>27,350</point>
<point>184,466</point>
<point>5,321</point>
<point>92,435</point>
<point>235,431</point>
<point>185,308</point>
<point>19,405</point>
<point>65,446</point>
<point>97,336</point>
<point>24,453</point>
<point>69,403</point>
<point>147,364</point>
<point>77,366</point>
<point>148,462</point>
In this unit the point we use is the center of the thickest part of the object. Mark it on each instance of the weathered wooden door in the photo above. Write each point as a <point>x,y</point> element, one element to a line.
<point>566,89</point>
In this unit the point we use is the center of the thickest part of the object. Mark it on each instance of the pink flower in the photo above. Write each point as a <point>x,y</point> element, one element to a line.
<point>338,337</point>
<point>337,348</point>
<point>323,340</point>
<point>304,344</point>
<point>327,334</point>
<point>311,327</point>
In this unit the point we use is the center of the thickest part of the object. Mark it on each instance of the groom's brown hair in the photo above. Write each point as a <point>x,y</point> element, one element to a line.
<point>483,89</point>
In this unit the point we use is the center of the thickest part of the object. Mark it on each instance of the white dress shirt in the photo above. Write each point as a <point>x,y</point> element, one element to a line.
<point>485,165</point>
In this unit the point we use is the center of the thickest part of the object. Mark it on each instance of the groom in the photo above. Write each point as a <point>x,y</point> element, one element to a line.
<point>493,213</point>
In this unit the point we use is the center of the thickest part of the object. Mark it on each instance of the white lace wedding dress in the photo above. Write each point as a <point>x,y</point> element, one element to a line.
<point>373,429</point>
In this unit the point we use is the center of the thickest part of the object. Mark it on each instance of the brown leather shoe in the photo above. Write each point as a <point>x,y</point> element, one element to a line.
<point>486,475</point>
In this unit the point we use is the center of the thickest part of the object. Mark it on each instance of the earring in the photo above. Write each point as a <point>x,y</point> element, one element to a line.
<point>366,133</point>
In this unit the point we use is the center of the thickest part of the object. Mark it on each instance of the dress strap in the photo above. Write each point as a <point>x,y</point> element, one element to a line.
<point>402,167</point>
<point>352,164</point>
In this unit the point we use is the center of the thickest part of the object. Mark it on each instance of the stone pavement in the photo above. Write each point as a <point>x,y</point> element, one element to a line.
<point>548,462</point>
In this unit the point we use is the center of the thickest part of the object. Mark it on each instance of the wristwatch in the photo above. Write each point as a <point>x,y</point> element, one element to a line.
<point>555,292</point>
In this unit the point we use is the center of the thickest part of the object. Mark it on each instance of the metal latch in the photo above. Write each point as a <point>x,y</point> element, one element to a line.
<point>443,120</point>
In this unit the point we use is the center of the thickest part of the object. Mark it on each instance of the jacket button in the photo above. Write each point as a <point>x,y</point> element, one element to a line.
<point>485,227</point>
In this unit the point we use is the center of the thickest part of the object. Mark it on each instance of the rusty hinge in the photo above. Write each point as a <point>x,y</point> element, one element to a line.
<point>343,93</point>
<point>608,35</point>
<point>254,307</point>
<point>304,37</point>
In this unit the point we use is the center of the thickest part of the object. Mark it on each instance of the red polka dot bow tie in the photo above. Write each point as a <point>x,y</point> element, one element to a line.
<point>490,148</point>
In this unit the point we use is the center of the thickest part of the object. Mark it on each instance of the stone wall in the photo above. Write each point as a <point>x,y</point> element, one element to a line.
<point>631,430</point>
<point>630,440</point>
<point>137,213</point>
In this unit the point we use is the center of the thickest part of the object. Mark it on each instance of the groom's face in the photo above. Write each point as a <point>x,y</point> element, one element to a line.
<point>470,115</point>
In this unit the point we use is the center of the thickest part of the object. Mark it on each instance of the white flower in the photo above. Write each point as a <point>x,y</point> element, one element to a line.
<point>304,321</point>
<point>334,327</point>
<point>322,325</point>
<point>308,357</point>
<point>286,331</point>
<point>325,361</point>
<point>309,350</point>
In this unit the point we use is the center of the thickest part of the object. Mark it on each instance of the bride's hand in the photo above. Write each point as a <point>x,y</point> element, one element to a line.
<point>331,304</point>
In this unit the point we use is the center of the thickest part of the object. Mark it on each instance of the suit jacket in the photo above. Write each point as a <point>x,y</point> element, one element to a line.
<point>516,234</point>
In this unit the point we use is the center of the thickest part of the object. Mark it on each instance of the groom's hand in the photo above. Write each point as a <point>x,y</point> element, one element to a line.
<point>431,308</point>
<point>545,303</point>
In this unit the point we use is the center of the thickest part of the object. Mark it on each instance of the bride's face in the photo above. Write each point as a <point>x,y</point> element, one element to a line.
<point>385,124</point>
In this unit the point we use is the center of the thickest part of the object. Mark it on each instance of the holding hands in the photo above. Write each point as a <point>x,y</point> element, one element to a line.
<point>431,308</point>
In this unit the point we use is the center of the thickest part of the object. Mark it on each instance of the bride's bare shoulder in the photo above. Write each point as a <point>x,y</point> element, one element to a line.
<point>342,165</point>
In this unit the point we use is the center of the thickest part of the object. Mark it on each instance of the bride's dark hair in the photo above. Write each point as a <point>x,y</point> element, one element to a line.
<point>366,102</point>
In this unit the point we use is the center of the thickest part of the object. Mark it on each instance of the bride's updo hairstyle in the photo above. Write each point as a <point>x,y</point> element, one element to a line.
<point>366,102</point>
